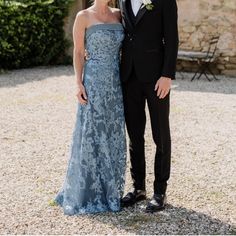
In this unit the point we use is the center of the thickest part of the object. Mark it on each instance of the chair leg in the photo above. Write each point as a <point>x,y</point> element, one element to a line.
<point>201,72</point>
<point>209,79</point>
<point>200,75</point>
<point>204,67</point>
<point>209,69</point>
<point>195,75</point>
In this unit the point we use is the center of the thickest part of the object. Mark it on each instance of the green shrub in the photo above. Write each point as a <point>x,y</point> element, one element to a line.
<point>31,33</point>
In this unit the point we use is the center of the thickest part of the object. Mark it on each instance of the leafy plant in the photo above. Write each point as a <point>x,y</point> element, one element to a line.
<point>31,33</point>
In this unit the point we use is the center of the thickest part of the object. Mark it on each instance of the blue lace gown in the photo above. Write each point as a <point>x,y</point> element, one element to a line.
<point>95,174</point>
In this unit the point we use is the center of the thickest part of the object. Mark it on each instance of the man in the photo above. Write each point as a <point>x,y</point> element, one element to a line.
<point>148,66</point>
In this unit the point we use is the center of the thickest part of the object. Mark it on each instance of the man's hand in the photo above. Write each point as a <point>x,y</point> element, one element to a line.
<point>163,86</point>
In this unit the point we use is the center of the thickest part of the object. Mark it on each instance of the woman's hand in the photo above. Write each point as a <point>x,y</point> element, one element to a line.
<point>81,94</point>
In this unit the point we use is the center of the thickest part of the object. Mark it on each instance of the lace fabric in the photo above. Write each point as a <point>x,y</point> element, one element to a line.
<point>95,175</point>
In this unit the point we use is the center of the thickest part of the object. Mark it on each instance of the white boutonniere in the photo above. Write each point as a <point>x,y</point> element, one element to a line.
<point>148,4</point>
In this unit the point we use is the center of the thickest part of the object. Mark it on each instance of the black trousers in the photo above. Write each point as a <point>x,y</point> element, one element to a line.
<point>135,95</point>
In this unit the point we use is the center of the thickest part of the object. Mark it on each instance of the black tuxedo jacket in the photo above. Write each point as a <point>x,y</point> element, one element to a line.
<point>151,41</point>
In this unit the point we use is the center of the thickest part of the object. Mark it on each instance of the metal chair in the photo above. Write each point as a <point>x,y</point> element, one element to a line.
<point>203,59</point>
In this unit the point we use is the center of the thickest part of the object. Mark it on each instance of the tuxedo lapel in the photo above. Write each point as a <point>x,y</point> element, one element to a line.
<point>142,11</point>
<point>126,14</point>
<point>140,14</point>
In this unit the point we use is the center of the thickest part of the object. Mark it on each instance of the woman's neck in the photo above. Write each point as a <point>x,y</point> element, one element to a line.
<point>101,7</point>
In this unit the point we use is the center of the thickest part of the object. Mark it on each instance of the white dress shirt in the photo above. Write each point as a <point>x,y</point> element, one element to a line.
<point>136,4</point>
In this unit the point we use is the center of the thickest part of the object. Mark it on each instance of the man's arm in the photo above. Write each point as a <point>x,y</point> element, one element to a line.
<point>171,43</point>
<point>171,38</point>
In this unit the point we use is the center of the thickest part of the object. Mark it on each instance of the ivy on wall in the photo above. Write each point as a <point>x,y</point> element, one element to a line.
<point>31,33</point>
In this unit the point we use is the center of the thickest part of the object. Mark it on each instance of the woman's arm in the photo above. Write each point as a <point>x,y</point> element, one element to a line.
<point>79,53</point>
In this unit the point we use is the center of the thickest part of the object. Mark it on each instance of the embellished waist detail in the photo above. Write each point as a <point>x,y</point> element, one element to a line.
<point>102,58</point>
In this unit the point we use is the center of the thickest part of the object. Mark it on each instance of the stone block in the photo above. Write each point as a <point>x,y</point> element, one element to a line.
<point>230,66</point>
<point>231,4</point>
<point>232,60</point>
<point>229,72</point>
<point>189,29</point>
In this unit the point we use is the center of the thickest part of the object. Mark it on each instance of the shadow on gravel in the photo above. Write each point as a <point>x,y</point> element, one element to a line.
<point>18,77</point>
<point>173,220</point>
<point>225,85</point>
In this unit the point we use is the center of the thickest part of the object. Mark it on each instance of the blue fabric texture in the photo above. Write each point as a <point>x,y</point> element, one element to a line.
<point>95,176</point>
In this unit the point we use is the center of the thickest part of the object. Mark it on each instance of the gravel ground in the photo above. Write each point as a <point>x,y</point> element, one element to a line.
<point>36,120</point>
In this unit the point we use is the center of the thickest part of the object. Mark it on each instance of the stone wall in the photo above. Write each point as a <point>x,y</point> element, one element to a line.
<point>201,19</point>
<point>198,21</point>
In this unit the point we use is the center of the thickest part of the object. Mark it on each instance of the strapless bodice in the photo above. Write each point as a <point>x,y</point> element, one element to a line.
<point>103,43</point>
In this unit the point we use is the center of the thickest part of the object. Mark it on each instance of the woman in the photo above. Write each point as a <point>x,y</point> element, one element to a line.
<point>95,176</point>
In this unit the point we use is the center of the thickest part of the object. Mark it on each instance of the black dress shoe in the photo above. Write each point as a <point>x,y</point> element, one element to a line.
<point>132,197</point>
<point>157,203</point>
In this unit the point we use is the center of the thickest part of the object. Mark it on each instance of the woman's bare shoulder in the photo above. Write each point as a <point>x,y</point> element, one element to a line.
<point>83,16</point>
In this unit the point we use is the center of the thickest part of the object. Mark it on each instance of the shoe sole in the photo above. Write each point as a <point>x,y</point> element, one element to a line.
<point>138,199</point>
<point>155,210</point>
